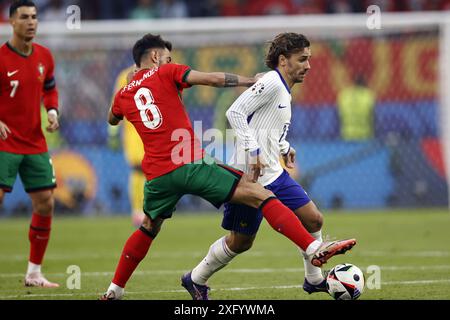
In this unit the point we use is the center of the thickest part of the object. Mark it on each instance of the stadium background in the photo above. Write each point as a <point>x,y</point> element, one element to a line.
<point>386,185</point>
<point>401,163</point>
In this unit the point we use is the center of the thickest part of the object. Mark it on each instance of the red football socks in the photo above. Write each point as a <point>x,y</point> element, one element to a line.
<point>134,251</point>
<point>38,235</point>
<point>283,220</point>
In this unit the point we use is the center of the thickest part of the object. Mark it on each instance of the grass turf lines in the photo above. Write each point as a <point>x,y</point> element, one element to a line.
<point>411,247</point>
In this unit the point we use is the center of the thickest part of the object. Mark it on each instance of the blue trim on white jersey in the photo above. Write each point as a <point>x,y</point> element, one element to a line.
<point>249,118</point>
<point>284,82</point>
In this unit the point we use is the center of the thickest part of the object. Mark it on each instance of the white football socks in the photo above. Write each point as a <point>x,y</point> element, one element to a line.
<point>312,273</point>
<point>118,291</point>
<point>33,268</point>
<point>219,255</point>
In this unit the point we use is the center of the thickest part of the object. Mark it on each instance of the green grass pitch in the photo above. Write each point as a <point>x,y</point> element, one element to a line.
<point>411,247</point>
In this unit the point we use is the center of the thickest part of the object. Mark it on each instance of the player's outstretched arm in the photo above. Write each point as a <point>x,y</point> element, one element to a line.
<point>218,79</point>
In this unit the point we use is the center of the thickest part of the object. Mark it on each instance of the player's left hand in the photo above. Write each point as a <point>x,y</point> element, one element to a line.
<point>114,142</point>
<point>289,159</point>
<point>53,123</point>
<point>256,167</point>
<point>4,130</point>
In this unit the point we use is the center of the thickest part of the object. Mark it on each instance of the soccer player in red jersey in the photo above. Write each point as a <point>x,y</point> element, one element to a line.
<point>27,79</point>
<point>175,164</point>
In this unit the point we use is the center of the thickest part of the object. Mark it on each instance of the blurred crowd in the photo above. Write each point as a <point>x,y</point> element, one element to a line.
<point>51,10</point>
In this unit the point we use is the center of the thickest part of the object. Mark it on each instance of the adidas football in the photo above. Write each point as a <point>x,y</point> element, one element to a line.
<point>345,282</point>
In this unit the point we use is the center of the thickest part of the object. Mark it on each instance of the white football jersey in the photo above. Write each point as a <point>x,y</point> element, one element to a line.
<point>260,117</point>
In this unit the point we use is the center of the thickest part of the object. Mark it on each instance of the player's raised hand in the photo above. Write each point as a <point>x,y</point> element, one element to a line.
<point>256,167</point>
<point>53,123</point>
<point>4,131</point>
<point>289,158</point>
<point>114,138</point>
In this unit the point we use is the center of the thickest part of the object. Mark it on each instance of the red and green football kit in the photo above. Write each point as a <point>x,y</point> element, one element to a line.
<point>25,83</point>
<point>174,161</point>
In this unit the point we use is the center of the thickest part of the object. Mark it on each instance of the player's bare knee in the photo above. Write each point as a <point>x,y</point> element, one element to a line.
<point>319,221</point>
<point>2,195</point>
<point>257,191</point>
<point>261,194</point>
<point>45,208</point>
<point>251,194</point>
<point>310,216</point>
<point>43,204</point>
<point>316,222</point>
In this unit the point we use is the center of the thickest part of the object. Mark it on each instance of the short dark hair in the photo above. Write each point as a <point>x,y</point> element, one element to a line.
<point>19,3</point>
<point>285,44</point>
<point>149,41</point>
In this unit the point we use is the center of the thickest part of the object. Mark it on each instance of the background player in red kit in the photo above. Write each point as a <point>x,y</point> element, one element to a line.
<point>26,78</point>
<point>175,163</point>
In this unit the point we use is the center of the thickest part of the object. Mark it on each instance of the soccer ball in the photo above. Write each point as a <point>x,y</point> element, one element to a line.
<point>345,282</point>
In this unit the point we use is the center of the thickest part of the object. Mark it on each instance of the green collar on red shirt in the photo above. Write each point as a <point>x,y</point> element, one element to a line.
<point>18,52</point>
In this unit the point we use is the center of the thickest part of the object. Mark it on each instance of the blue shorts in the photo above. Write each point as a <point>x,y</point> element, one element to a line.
<point>246,220</point>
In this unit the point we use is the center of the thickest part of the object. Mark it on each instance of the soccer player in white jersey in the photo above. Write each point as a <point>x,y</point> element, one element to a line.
<point>261,117</point>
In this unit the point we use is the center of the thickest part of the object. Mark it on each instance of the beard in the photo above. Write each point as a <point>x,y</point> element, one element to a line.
<point>299,79</point>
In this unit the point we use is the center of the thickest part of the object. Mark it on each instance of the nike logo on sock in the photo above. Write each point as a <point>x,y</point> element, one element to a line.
<point>281,107</point>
